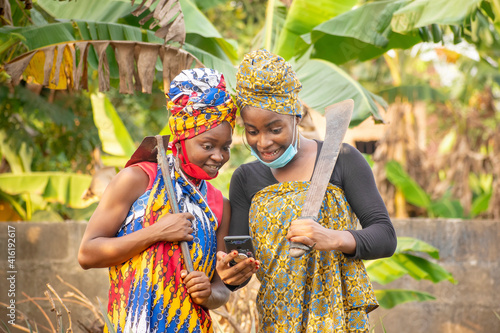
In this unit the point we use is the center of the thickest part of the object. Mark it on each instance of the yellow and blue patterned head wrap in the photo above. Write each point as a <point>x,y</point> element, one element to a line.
<point>198,101</point>
<point>265,80</point>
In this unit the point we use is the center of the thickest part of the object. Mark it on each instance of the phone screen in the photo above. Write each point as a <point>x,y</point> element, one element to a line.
<point>242,244</point>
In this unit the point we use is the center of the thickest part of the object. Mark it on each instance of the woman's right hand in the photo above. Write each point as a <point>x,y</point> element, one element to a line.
<point>237,274</point>
<point>174,227</point>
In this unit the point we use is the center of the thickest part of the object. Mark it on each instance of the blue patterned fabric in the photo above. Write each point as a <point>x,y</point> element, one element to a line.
<point>146,292</point>
<point>322,291</point>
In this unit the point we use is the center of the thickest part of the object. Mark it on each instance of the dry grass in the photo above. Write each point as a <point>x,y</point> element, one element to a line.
<point>239,315</point>
<point>58,318</point>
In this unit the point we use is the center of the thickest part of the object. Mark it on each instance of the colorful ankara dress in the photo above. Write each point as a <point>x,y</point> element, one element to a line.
<point>322,291</point>
<point>318,292</point>
<point>146,292</point>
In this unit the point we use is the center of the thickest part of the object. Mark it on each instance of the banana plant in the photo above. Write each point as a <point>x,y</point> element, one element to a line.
<point>406,262</point>
<point>29,193</point>
<point>59,52</point>
<point>316,37</point>
<point>446,206</point>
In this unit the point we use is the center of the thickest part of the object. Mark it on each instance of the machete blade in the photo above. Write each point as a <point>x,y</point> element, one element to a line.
<point>338,116</point>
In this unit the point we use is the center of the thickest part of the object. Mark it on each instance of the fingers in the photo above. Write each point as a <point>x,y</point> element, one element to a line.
<point>197,284</point>
<point>237,274</point>
<point>304,227</point>
<point>193,278</point>
<point>188,216</point>
<point>304,240</point>
<point>186,223</point>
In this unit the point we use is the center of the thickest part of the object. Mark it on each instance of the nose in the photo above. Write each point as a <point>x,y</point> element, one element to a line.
<point>263,141</point>
<point>217,156</point>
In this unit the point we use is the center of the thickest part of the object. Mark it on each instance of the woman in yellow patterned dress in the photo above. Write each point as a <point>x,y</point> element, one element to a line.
<point>327,289</point>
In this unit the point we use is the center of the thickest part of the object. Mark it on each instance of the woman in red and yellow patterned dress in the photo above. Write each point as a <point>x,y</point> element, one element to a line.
<point>134,234</point>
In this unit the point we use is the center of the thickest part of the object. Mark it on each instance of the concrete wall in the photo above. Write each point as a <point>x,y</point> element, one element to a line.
<point>44,251</point>
<point>468,249</point>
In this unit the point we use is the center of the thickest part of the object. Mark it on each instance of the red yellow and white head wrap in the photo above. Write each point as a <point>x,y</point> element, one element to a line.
<point>198,101</point>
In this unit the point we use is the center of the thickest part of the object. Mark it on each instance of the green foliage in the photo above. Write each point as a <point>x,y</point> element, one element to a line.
<point>61,187</point>
<point>413,193</point>
<point>410,244</point>
<point>305,16</point>
<point>362,33</point>
<point>389,298</point>
<point>334,80</point>
<point>109,11</point>
<point>405,262</point>
<point>418,14</point>
<point>237,20</point>
<point>115,138</point>
<point>63,130</point>
<point>446,206</point>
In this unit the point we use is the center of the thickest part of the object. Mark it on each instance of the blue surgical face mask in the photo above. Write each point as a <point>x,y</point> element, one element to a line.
<point>283,159</point>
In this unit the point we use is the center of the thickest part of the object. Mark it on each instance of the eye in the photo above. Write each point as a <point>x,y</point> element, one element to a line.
<point>251,132</point>
<point>207,147</point>
<point>227,148</point>
<point>276,130</point>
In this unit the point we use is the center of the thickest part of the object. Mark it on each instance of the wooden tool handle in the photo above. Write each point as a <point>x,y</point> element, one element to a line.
<point>165,170</point>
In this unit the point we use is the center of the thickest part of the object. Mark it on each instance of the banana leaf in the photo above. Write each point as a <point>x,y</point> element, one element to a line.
<point>201,33</point>
<point>64,65</point>
<point>302,17</point>
<point>362,33</point>
<point>52,58</point>
<point>412,93</point>
<point>64,188</point>
<point>480,204</point>
<point>412,192</point>
<point>389,298</point>
<point>425,12</point>
<point>324,83</point>
<point>386,270</point>
<point>108,11</point>
<point>406,244</point>
<point>446,207</point>
<point>167,16</point>
<point>115,138</point>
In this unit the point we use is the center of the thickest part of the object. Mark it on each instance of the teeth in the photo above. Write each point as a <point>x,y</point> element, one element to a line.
<point>271,154</point>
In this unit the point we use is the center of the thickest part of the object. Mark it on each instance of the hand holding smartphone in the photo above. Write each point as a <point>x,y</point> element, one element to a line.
<point>242,244</point>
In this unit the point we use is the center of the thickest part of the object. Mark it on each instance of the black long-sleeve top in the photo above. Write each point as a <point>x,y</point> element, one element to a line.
<point>376,239</point>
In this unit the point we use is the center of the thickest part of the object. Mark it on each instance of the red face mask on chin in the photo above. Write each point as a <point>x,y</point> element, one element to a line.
<point>189,168</point>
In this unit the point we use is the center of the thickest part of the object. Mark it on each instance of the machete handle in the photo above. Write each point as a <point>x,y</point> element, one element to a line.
<point>165,170</point>
<point>297,249</point>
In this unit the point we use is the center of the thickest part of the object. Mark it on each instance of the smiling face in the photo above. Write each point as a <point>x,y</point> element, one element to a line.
<point>267,132</point>
<point>210,150</point>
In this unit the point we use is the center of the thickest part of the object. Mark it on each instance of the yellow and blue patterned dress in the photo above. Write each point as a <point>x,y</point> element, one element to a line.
<point>146,293</point>
<point>318,292</point>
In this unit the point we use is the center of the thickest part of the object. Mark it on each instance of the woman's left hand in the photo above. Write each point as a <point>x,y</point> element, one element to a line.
<point>197,285</point>
<point>311,233</point>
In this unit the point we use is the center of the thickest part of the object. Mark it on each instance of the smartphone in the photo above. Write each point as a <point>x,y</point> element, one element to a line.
<point>242,244</point>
